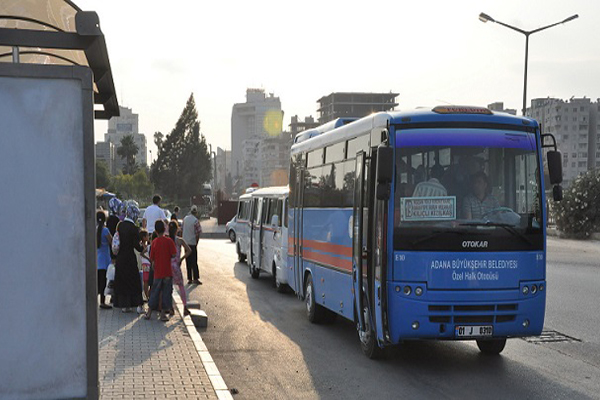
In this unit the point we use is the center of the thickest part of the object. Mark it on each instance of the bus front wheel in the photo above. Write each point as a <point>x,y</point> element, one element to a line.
<point>314,311</point>
<point>494,346</point>
<point>368,338</point>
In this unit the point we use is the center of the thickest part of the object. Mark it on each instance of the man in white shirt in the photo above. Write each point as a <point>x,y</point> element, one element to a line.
<point>191,234</point>
<point>153,214</point>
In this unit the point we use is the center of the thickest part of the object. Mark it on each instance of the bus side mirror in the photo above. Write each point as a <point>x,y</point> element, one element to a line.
<point>384,171</point>
<point>385,162</point>
<point>557,193</point>
<point>555,166</point>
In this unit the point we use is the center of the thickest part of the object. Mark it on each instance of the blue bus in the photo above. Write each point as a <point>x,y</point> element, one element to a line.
<point>427,224</point>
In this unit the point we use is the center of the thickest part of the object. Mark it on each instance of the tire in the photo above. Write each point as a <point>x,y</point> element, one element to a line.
<point>315,312</point>
<point>232,235</point>
<point>368,339</point>
<point>280,287</point>
<point>491,347</point>
<point>254,272</point>
<point>241,257</point>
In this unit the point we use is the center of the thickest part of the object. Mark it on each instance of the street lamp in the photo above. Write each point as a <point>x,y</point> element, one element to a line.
<point>485,18</point>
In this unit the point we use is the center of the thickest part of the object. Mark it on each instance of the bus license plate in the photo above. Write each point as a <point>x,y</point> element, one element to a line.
<point>473,331</point>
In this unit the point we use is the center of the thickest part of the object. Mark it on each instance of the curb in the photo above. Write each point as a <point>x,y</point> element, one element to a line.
<point>216,380</point>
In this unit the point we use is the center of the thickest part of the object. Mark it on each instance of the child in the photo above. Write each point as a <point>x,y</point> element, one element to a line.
<point>176,263</point>
<point>103,242</point>
<point>163,249</point>
<point>145,262</point>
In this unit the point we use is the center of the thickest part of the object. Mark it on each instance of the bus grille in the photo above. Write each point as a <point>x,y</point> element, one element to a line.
<point>472,314</point>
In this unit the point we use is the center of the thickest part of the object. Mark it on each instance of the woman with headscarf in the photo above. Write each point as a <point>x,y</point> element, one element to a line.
<point>127,286</point>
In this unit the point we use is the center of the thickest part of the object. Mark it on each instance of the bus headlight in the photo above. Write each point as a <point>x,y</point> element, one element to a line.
<point>407,290</point>
<point>541,287</point>
<point>415,325</point>
<point>525,323</point>
<point>419,291</point>
<point>525,290</point>
<point>533,289</point>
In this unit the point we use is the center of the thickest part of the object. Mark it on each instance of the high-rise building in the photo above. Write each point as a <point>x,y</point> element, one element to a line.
<point>259,118</point>
<point>118,128</point>
<point>275,160</point>
<point>354,104</point>
<point>575,125</point>
<point>106,151</point>
<point>222,162</point>
<point>297,126</point>
<point>499,106</point>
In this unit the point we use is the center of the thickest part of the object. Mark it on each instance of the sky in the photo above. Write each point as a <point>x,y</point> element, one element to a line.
<point>431,52</point>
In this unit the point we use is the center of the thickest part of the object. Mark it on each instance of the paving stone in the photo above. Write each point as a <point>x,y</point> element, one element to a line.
<point>148,359</point>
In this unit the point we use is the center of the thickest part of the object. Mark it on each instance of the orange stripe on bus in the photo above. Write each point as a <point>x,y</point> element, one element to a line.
<point>325,259</point>
<point>341,250</point>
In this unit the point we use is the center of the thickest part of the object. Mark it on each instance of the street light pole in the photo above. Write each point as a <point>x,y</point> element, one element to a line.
<point>485,18</point>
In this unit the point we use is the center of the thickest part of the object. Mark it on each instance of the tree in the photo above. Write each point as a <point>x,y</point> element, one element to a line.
<point>578,214</point>
<point>102,174</point>
<point>128,150</point>
<point>158,139</point>
<point>142,187</point>
<point>183,162</point>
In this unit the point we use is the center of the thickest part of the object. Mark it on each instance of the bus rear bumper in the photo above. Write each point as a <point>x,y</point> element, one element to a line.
<point>432,315</point>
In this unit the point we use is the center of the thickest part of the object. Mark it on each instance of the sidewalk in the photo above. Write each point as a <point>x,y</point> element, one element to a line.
<point>140,359</point>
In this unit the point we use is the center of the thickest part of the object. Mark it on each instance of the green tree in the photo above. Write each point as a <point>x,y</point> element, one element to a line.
<point>123,186</point>
<point>128,150</point>
<point>142,187</point>
<point>158,139</point>
<point>102,174</point>
<point>183,162</point>
<point>578,214</point>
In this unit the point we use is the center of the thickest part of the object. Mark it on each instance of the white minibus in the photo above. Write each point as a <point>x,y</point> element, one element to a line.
<point>262,239</point>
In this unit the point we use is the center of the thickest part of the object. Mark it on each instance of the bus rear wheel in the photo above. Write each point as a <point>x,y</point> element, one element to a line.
<point>314,312</point>
<point>492,347</point>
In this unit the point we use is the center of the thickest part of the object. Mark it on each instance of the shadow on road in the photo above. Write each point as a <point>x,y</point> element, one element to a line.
<point>421,369</point>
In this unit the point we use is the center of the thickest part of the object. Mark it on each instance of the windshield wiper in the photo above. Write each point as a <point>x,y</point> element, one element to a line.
<point>509,228</point>
<point>435,234</point>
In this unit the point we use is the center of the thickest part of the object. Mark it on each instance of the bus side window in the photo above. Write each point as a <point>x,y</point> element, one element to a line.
<point>279,212</point>
<point>255,210</point>
<point>285,212</point>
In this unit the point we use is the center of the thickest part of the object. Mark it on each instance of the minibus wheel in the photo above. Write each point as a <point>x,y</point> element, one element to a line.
<point>254,272</point>
<point>280,287</point>
<point>241,257</point>
<point>493,347</point>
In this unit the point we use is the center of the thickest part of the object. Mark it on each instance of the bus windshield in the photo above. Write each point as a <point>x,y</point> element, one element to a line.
<point>475,186</point>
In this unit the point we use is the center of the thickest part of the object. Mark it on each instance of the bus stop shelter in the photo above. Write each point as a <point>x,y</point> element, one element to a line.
<point>55,78</point>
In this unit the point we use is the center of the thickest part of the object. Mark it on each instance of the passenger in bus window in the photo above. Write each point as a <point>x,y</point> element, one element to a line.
<point>431,187</point>
<point>480,201</point>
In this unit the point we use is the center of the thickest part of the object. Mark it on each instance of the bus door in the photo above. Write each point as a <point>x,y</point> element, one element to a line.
<point>298,283</point>
<point>256,228</point>
<point>377,238</point>
<point>359,244</point>
<point>267,234</point>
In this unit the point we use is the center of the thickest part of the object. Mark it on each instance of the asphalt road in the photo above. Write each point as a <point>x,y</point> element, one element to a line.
<point>265,348</point>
